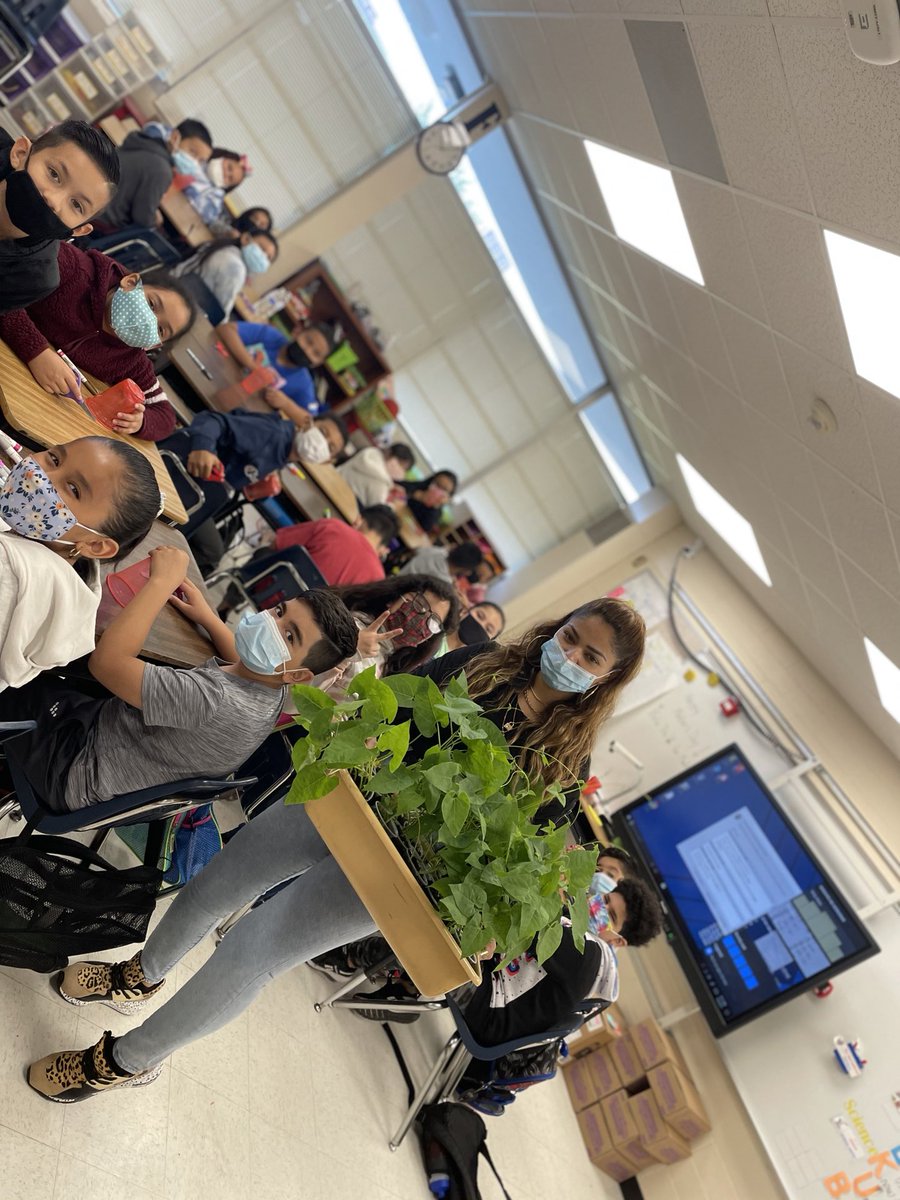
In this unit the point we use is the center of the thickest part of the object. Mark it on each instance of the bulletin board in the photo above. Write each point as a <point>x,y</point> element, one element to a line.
<point>826,1134</point>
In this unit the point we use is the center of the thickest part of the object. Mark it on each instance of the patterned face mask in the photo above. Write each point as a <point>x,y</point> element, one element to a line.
<point>32,507</point>
<point>598,910</point>
<point>415,618</point>
<point>133,320</point>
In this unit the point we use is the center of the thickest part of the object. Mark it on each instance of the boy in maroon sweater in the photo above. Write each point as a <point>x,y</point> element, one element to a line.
<point>86,318</point>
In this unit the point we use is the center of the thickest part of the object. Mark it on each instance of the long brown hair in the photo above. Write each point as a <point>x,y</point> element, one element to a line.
<point>567,732</point>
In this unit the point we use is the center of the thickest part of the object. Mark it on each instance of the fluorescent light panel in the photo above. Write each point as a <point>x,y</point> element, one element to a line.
<point>868,287</point>
<point>887,678</point>
<point>645,208</point>
<point>725,519</point>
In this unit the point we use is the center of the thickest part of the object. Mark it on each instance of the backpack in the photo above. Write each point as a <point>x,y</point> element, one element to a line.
<point>453,1139</point>
<point>59,899</point>
<point>191,839</point>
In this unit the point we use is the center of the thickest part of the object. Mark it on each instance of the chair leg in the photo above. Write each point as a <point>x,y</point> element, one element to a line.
<point>8,807</point>
<point>25,834</point>
<point>420,1099</point>
<point>230,922</point>
<point>98,839</point>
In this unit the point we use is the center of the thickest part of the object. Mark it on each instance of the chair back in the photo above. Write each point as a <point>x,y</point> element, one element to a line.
<point>282,575</point>
<point>274,770</point>
<point>206,301</point>
<point>490,1053</point>
<point>137,248</point>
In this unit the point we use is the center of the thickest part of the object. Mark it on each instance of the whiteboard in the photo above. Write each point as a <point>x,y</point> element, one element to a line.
<point>814,1121</point>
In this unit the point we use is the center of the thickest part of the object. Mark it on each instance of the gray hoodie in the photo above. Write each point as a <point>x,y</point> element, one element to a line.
<point>146,174</point>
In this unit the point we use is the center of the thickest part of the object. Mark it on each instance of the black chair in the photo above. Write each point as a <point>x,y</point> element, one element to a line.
<point>137,249</point>
<point>270,580</point>
<point>131,808</point>
<point>206,301</point>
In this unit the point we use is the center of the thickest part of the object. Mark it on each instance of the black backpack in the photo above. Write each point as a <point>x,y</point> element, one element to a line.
<point>59,899</point>
<point>453,1138</point>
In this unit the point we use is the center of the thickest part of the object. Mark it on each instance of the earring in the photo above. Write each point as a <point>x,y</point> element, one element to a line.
<point>73,553</point>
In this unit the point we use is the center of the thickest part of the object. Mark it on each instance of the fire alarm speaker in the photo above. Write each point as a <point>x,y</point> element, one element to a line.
<point>873,29</point>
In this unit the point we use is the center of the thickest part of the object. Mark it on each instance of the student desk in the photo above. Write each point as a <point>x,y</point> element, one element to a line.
<point>181,213</point>
<point>412,535</point>
<point>318,490</point>
<point>221,371</point>
<point>49,420</point>
<point>172,639</point>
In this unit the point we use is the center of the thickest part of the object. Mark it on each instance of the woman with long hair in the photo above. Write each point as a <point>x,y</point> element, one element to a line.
<point>549,692</point>
<point>224,264</point>
<point>427,497</point>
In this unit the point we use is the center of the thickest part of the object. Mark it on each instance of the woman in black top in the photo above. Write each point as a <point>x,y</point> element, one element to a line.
<point>427,497</point>
<point>549,692</point>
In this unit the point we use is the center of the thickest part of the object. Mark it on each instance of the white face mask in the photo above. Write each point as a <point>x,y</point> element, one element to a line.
<point>312,445</point>
<point>215,172</point>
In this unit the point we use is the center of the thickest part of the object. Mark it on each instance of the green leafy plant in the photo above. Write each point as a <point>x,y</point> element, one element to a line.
<point>471,823</point>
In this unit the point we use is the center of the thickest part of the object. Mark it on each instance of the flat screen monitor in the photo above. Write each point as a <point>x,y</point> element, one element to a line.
<point>751,914</point>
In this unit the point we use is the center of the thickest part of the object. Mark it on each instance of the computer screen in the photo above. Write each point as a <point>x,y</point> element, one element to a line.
<point>752,916</point>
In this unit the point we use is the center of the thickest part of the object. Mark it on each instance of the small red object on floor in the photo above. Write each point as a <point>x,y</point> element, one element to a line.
<point>730,707</point>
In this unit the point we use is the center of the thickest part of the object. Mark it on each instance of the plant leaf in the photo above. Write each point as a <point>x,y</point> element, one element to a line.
<point>387,782</point>
<point>581,863</point>
<point>348,748</point>
<point>395,738</point>
<point>454,809</point>
<point>380,703</point>
<point>442,775</point>
<point>548,941</point>
<point>405,688</point>
<point>310,783</point>
<point>309,700</point>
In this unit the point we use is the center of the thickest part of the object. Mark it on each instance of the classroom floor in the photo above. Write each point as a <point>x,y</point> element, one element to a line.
<point>284,1104</point>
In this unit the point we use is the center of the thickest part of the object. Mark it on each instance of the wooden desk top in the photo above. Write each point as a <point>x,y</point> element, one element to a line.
<point>179,210</point>
<point>332,484</point>
<point>50,420</point>
<point>172,638</point>
<point>225,372</point>
<point>412,535</point>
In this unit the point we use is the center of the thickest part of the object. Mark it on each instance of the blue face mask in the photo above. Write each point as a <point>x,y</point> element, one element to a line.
<point>259,643</point>
<point>255,258</point>
<point>133,320</point>
<point>186,164</point>
<point>560,673</point>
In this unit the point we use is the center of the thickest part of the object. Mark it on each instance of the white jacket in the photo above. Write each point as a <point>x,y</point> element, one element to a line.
<point>367,476</point>
<point>47,611</point>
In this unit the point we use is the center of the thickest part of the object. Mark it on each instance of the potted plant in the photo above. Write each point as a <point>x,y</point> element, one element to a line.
<point>466,820</point>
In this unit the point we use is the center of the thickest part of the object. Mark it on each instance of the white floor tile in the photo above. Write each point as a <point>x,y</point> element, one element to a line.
<point>282,1167</point>
<point>219,1061</point>
<point>208,1151</point>
<point>27,1167</point>
<point>76,1179</point>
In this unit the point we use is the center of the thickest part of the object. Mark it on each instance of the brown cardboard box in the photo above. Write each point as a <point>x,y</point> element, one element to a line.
<point>596,1032</point>
<point>603,1073</point>
<point>580,1083</point>
<point>657,1137</point>
<point>623,1129</point>
<point>600,1148</point>
<point>653,1044</point>
<point>678,1101</point>
<point>628,1066</point>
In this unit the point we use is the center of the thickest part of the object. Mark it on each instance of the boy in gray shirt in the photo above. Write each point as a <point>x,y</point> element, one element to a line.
<point>165,724</point>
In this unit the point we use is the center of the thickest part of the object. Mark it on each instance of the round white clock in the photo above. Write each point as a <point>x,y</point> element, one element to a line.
<point>441,146</point>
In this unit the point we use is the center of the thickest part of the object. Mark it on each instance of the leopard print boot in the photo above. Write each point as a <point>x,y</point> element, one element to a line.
<point>74,1075</point>
<point>121,986</point>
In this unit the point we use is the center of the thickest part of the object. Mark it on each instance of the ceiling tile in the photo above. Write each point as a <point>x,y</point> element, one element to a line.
<point>572,52</point>
<point>757,367</point>
<point>858,525</point>
<point>639,6</point>
<point>841,652</point>
<point>809,378</point>
<point>877,612</point>
<point>744,85</point>
<point>797,284</point>
<point>697,319</point>
<point>725,8</point>
<point>617,268</point>
<point>788,467</point>
<point>847,114</point>
<point>815,557</point>
<point>657,307</point>
<point>881,413</point>
<point>720,243</point>
<point>613,64</point>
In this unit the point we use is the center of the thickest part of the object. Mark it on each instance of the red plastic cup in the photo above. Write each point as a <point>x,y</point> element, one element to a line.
<point>124,585</point>
<point>122,397</point>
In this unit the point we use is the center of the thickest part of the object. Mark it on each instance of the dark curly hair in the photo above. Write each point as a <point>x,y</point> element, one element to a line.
<point>645,916</point>
<point>629,866</point>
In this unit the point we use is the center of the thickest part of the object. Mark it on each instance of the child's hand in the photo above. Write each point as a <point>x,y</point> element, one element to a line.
<point>53,375</point>
<point>370,639</point>
<point>189,599</point>
<point>202,464</point>
<point>129,422</point>
<point>168,566</point>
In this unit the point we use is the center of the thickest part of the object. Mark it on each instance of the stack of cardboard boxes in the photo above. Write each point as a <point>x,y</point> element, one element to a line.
<point>636,1104</point>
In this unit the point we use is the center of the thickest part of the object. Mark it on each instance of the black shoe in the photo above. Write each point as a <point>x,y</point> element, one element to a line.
<point>396,993</point>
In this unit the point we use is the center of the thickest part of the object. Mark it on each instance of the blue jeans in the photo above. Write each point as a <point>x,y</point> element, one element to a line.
<point>317,911</point>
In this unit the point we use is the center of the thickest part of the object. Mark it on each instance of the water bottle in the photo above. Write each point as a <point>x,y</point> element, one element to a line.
<point>439,1183</point>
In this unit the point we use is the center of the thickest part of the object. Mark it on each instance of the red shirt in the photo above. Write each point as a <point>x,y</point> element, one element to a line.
<point>342,553</point>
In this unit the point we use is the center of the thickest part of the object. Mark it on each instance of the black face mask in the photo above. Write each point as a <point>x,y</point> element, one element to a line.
<point>29,211</point>
<point>297,356</point>
<point>471,633</point>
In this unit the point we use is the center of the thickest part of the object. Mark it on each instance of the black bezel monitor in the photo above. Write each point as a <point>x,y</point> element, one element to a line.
<point>751,914</point>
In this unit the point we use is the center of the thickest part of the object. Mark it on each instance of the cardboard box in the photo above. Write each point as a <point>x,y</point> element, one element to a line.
<point>628,1066</point>
<point>598,1031</point>
<point>679,1101</point>
<point>656,1136</point>
<point>603,1073</point>
<point>623,1129</point>
<point>653,1044</point>
<point>580,1083</point>
<point>600,1148</point>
